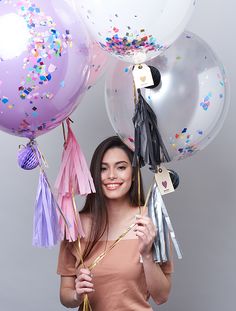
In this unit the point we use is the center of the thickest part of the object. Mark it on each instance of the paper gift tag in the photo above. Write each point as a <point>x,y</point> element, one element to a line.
<point>142,76</point>
<point>163,180</point>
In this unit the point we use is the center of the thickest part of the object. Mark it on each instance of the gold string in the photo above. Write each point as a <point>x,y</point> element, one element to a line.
<point>148,195</point>
<point>139,186</point>
<point>102,255</point>
<point>135,93</point>
<point>64,134</point>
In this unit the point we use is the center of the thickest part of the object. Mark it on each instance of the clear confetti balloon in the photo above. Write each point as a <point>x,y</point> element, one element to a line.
<point>98,63</point>
<point>135,31</point>
<point>190,103</point>
<point>44,65</point>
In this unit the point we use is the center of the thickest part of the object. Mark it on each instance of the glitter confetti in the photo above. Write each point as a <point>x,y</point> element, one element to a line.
<point>206,102</point>
<point>5,100</point>
<point>130,43</point>
<point>43,45</point>
<point>183,143</point>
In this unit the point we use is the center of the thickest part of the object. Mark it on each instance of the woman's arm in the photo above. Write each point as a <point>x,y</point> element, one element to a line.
<point>158,282</point>
<point>72,289</point>
<point>67,292</point>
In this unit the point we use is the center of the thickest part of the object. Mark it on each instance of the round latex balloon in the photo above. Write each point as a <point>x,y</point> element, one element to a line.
<point>98,63</point>
<point>190,102</point>
<point>99,59</point>
<point>44,65</point>
<point>135,31</point>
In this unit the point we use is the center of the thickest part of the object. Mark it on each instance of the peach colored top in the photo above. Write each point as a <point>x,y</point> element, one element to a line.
<point>119,279</point>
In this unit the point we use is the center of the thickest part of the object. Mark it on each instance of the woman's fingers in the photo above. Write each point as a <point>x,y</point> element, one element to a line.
<point>83,282</point>
<point>146,226</point>
<point>84,288</point>
<point>84,277</point>
<point>84,271</point>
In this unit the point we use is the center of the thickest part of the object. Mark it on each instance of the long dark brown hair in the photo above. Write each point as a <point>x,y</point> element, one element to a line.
<point>95,205</point>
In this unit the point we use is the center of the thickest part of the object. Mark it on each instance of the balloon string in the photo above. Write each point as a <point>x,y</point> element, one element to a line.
<point>148,195</point>
<point>64,134</point>
<point>139,186</point>
<point>64,131</point>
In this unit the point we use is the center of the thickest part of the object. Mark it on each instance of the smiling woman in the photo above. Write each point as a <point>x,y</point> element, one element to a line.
<point>127,270</point>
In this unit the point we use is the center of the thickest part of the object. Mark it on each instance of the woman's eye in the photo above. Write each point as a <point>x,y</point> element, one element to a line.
<point>122,168</point>
<point>103,169</point>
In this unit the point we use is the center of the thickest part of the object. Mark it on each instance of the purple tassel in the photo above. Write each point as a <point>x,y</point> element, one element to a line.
<point>46,227</point>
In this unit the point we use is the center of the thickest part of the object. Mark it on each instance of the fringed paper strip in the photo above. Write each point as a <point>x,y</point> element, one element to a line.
<point>74,178</point>
<point>148,143</point>
<point>159,215</point>
<point>73,227</point>
<point>45,228</point>
<point>74,174</point>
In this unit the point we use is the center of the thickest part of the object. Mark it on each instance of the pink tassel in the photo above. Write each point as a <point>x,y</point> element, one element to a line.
<point>74,178</point>
<point>74,174</point>
<point>73,227</point>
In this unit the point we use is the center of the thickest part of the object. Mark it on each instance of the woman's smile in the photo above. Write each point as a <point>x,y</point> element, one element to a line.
<point>113,186</point>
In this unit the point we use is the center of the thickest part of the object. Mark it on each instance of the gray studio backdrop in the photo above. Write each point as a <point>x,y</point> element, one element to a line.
<point>203,209</point>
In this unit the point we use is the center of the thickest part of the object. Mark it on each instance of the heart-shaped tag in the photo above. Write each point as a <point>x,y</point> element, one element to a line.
<point>143,78</point>
<point>164,184</point>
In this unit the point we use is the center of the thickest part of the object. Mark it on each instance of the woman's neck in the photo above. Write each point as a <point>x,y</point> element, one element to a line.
<point>120,215</point>
<point>120,210</point>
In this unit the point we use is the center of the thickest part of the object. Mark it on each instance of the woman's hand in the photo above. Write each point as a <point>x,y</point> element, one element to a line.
<point>83,284</point>
<point>146,232</point>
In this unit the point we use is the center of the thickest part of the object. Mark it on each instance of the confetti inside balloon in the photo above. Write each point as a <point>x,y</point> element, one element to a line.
<point>44,65</point>
<point>135,31</point>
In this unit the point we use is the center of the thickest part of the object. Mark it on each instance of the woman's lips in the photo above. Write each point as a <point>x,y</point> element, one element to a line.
<point>113,186</point>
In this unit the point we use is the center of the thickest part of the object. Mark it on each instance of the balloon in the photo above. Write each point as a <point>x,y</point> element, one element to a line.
<point>190,103</point>
<point>135,31</point>
<point>99,58</point>
<point>44,65</point>
<point>98,63</point>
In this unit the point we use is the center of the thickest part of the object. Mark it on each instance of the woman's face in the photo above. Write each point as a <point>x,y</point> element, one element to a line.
<point>116,174</point>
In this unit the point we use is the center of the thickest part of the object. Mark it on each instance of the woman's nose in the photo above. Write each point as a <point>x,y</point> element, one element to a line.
<point>112,174</point>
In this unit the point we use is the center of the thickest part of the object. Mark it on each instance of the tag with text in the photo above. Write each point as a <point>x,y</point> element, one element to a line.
<point>163,180</point>
<point>142,76</point>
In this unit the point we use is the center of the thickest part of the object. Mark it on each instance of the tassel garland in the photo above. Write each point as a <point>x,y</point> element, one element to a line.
<point>74,178</point>
<point>149,147</point>
<point>74,172</point>
<point>45,227</point>
<point>159,215</point>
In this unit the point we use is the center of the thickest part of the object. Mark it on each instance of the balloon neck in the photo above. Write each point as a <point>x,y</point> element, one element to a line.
<point>156,75</point>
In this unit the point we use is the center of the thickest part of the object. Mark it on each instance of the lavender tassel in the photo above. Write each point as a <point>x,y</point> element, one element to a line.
<point>45,228</point>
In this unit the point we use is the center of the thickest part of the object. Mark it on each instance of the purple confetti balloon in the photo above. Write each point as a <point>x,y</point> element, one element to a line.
<point>44,65</point>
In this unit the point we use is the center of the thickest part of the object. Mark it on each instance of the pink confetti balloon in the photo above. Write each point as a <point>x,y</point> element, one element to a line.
<point>44,65</point>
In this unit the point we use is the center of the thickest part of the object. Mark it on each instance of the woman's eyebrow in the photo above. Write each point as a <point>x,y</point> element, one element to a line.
<point>116,163</point>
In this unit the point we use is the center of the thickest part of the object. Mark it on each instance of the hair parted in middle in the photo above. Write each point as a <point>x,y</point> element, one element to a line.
<point>95,204</point>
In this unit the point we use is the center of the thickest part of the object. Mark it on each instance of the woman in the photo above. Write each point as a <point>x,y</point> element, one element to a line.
<point>127,276</point>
